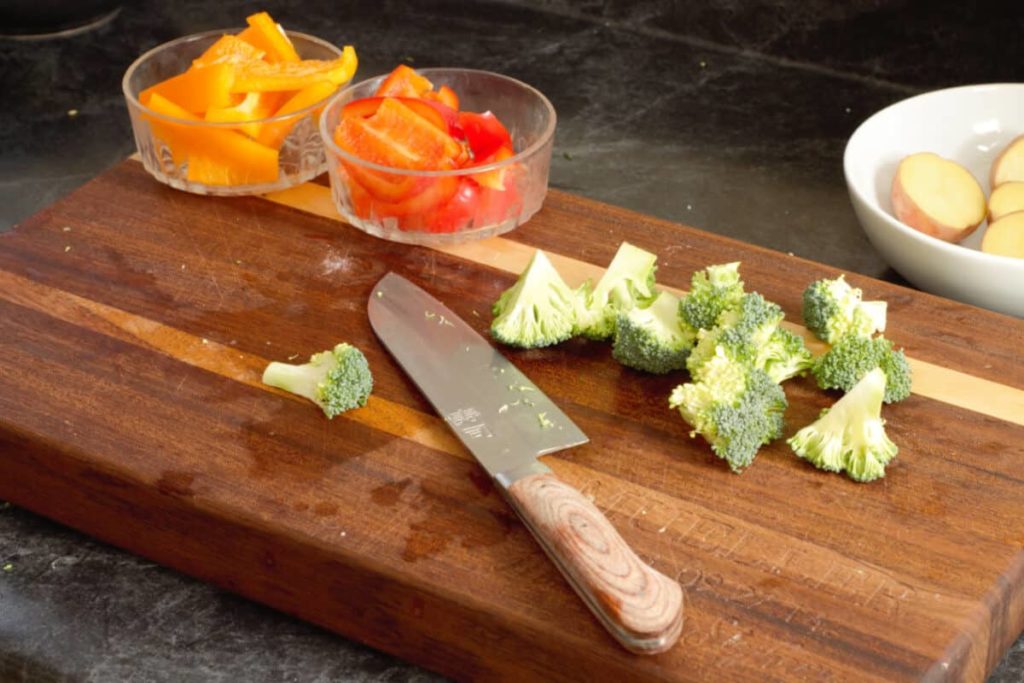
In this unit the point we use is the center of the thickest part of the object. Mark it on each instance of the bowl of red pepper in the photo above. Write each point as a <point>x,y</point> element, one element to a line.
<point>438,156</point>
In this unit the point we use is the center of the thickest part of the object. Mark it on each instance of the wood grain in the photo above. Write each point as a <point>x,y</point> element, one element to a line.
<point>131,409</point>
<point>640,606</point>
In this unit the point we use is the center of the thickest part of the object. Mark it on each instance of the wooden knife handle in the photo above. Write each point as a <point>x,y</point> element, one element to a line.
<point>641,607</point>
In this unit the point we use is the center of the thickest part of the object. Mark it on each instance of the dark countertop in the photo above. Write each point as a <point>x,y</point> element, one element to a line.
<point>729,116</point>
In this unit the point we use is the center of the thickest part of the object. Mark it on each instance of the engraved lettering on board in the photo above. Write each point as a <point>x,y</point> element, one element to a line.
<point>841,577</point>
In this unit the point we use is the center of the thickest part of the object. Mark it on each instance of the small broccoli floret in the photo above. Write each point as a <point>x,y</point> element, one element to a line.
<point>783,356</point>
<point>852,357</point>
<point>653,339</point>
<point>538,310</point>
<point>627,283</point>
<point>336,380</point>
<point>738,334</point>
<point>851,435</point>
<point>832,309</point>
<point>712,291</point>
<point>736,408</point>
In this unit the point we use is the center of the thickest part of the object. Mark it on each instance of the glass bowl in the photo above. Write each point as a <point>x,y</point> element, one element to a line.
<point>292,137</point>
<point>466,209</point>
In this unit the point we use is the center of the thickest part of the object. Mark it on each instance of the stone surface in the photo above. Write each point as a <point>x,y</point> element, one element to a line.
<point>729,116</point>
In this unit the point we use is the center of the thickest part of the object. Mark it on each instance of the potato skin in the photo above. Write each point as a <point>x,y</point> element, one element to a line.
<point>906,210</point>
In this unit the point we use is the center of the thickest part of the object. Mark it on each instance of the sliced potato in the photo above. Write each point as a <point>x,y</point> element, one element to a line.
<point>1005,236</point>
<point>1006,198</point>
<point>1009,165</point>
<point>937,196</point>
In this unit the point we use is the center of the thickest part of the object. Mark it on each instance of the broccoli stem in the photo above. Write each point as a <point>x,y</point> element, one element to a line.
<point>297,379</point>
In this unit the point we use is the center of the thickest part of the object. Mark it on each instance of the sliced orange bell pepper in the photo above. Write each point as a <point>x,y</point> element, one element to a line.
<point>403,81</point>
<point>256,105</point>
<point>209,171</point>
<point>197,89</point>
<point>274,134</point>
<point>172,135</point>
<point>275,100</point>
<point>254,38</point>
<point>244,160</point>
<point>263,77</point>
<point>265,34</point>
<point>230,49</point>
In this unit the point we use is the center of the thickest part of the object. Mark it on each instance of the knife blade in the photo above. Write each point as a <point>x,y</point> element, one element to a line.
<point>506,422</point>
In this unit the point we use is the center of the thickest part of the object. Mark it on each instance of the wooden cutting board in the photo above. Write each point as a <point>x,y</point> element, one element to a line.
<point>135,322</point>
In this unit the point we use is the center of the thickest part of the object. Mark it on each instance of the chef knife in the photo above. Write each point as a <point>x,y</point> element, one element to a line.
<point>506,423</point>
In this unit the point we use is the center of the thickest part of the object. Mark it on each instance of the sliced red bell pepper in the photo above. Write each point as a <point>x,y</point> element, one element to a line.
<point>388,187</point>
<point>450,116</point>
<point>438,113</point>
<point>409,125</point>
<point>493,179</point>
<point>412,214</point>
<point>484,133</point>
<point>459,211</point>
<point>397,136</point>
<point>443,95</point>
<point>361,200</point>
<point>494,206</point>
<point>367,107</point>
<point>408,129</point>
<point>403,81</point>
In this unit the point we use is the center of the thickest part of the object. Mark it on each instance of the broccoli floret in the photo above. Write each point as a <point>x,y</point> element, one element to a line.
<point>736,408</point>
<point>783,356</point>
<point>627,283</point>
<point>738,334</point>
<point>851,435</point>
<point>653,339</point>
<point>833,309</point>
<point>852,357</point>
<point>538,310</point>
<point>336,380</point>
<point>712,291</point>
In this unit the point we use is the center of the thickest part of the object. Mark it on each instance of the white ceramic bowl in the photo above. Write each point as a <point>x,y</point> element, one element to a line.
<point>970,125</point>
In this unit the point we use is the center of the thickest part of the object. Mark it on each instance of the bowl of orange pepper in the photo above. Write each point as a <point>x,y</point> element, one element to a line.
<point>440,155</point>
<point>235,112</point>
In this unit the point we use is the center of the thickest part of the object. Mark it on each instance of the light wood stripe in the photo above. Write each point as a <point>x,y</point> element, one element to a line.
<point>220,359</point>
<point>930,380</point>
